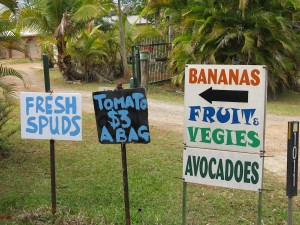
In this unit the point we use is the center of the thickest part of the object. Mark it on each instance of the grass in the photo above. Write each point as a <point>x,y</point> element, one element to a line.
<point>287,104</point>
<point>89,179</point>
<point>90,190</point>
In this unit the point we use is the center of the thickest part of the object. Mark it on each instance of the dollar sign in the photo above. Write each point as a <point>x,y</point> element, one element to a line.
<point>115,122</point>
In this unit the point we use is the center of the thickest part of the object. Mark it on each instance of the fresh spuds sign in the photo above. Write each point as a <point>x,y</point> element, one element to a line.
<point>51,116</point>
<point>122,116</point>
<point>224,110</point>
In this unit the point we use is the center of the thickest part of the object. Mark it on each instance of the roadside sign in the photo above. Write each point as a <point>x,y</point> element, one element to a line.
<point>49,116</point>
<point>224,107</point>
<point>292,159</point>
<point>222,168</point>
<point>122,116</point>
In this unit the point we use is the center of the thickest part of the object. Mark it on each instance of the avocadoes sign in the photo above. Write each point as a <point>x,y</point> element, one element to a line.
<point>221,168</point>
<point>224,107</point>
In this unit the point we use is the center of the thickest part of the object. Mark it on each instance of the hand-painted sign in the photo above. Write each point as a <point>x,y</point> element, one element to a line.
<point>292,159</point>
<point>224,169</point>
<point>225,107</point>
<point>53,116</point>
<point>122,116</point>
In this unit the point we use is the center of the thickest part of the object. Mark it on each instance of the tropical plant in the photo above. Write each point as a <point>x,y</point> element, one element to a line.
<point>89,49</point>
<point>8,38</point>
<point>241,31</point>
<point>62,19</point>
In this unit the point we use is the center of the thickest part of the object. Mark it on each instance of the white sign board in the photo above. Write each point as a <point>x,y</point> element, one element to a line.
<point>224,107</point>
<point>222,168</point>
<point>51,116</point>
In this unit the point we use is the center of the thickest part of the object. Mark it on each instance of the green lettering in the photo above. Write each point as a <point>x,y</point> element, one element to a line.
<point>211,175</point>
<point>228,170</point>
<point>189,167</point>
<point>238,171</point>
<point>193,133</point>
<point>203,167</point>
<point>205,134</point>
<point>218,136</point>
<point>196,163</point>
<point>220,171</point>
<point>253,136</point>
<point>229,138</point>
<point>255,177</point>
<point>247,172</point>
<point>240,137</point>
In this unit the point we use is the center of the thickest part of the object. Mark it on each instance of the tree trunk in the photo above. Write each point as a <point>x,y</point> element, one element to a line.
<point>123,45</point>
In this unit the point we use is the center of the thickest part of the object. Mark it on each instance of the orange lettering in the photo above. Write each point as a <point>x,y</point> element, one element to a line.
<point>222,78</point>
<point>212,76</point>
<point>192,76</point>
<point>244,78</point>
<point>233,76</point>
<point>202,77</point>
<point>255,78</point>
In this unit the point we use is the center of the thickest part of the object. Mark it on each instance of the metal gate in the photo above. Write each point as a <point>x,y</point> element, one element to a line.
<point>158,56</point>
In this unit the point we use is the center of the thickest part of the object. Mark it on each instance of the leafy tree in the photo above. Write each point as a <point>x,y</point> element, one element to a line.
<point>8,38</point>
<point>88,49</point>
<point>241,31</point>
<point>62,19</point>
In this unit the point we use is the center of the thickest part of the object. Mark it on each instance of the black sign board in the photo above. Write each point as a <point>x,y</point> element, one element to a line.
<point>122,116</point>
<point>292,159</point>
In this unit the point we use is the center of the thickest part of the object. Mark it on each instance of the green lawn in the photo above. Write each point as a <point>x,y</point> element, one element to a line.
<point>90,189</point>
<point>89,179</point>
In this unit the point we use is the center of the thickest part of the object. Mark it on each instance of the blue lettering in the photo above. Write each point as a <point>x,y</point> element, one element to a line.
<point>120,135</point>
<point>47,105</point>
<point>30,123</point>
<point>71,105</point>
<point>143,133</point>
<point>247,114</point>
<point>125,118</point>
<point>39,102</point>
<point>54,125</point>
<point>77,128</point>
<point>99,99</point>
<point>132,135</point>
<point>66,124</point>
<point>223,118</point>
<point>105,135</point>
<point>143,104</point>
<point>194,112</point>
<point>60,107</point>
<point>235,118</point>
<point>208,113</point>
<point>29,104</point>
<point>137,97</point>
<point>43,122</point>
<point>119,101</point>
<point>129,102</point>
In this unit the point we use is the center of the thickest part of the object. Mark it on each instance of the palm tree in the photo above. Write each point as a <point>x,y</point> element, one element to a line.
<point>61,19</point>
<point>243,31</point>
<point>8,38</point>
<point>88,49</point>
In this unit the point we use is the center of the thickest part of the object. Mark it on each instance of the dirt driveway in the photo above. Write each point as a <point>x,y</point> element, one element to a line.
<point>159,115</point>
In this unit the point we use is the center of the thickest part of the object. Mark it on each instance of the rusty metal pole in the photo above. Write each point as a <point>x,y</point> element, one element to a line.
<point>52,148</point>
<point>125,183</point>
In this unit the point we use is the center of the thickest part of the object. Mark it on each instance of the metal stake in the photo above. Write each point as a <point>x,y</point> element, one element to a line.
<point>184,186</point>
<point>290,210</point>
<point>125,183</point>
<point>53,180</point>
<point>52,148</point>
